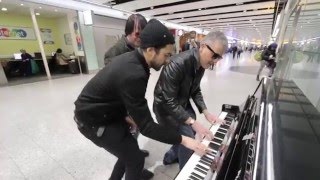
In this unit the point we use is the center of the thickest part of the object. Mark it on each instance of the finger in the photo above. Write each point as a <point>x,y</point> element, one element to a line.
<point>221,121</point>
<point>210,135</point>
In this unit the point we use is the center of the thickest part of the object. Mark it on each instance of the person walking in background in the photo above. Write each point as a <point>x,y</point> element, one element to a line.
<point>239,51</point>
<point>268,59</point>
<point>234,51</point>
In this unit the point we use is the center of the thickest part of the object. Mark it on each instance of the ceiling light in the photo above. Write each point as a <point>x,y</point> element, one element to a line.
<point>151,7</point>
<point>218,19</point>
<point>239,3</point>
<point>182,18</point>
<point>37,14</point>
<point>199,9</point>
<point>4,9</point>
<point>21,4</point>
<point>250,20</point>
<point>244,10</point>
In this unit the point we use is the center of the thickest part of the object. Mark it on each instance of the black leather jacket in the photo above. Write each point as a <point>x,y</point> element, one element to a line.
<point>178,82</point>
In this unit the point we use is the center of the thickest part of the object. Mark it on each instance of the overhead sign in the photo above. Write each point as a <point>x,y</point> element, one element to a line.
<point>18,33</point>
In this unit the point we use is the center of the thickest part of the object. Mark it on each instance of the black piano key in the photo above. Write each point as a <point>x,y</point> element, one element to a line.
<point>214,146</point>
<point>230,116</point>
<point>212,154</point>
<point>201,167</point>
<point>203,172</point>
<point>217,140</point>
<point>206,160</point>
<point>197,175</point>
<point>228,123</point>
<point>193,178</point>
<point>210,159</point>
<point>207,156</point>
<point>222,131</point>
<point>219,135</point>
<point>205,163</point>
<point>225,126</point>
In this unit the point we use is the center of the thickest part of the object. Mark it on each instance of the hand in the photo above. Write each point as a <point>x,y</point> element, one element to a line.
<point>133,126</point>
<point>213,119</point>
<point>202,131</point>
<point>194,145</point>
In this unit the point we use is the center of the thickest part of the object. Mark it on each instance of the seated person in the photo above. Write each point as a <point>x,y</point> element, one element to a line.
<point>25,68</point>
<point>61,59</point>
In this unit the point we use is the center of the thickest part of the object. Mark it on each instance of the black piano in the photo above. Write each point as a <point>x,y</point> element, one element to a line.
<point>276,135</point>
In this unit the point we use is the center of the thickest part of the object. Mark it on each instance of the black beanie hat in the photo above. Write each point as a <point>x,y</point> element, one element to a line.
<point>155,34</point>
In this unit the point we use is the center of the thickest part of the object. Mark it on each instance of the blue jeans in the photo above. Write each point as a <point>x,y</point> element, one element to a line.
<point>179,151</point>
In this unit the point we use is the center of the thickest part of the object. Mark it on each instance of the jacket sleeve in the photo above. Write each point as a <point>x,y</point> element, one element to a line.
<point>112,52</point>
<point>170,79</point>
<point>265,55</point>
<point>198,100</point>
<point>132,93</point>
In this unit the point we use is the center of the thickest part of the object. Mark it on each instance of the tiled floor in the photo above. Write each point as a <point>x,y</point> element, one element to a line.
<point>39,139</point>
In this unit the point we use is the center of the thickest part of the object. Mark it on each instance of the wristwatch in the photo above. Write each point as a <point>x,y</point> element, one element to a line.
<point>191,122</point>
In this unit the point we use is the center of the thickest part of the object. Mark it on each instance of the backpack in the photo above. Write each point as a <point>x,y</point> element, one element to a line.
<point>258,56</point>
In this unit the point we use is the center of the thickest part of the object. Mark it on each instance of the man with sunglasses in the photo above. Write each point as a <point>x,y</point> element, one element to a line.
<point>178,82</point>
<point>134,25</point>
<point>117,93</point>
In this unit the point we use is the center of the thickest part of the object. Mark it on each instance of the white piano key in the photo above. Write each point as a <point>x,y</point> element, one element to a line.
<point>194,159</point>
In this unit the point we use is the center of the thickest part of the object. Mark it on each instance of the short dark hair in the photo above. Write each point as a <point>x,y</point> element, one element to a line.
<point>59,50</point>
<point>134,21</point>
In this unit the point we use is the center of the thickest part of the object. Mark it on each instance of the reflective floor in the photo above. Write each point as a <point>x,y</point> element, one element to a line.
<point>39,139</point>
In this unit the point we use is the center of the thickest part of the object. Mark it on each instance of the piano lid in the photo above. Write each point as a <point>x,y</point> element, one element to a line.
<point>288,139</point>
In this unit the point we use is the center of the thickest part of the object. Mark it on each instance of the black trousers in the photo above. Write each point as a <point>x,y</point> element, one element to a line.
<point>117,140</point>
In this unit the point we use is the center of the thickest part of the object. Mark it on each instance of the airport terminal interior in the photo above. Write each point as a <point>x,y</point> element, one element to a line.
<point>49,50</point>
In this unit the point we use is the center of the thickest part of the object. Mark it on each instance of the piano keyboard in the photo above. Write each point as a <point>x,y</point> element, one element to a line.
<point>200,168</point>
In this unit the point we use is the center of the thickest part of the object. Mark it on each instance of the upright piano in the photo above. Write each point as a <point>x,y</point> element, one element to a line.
<point>276,135</point>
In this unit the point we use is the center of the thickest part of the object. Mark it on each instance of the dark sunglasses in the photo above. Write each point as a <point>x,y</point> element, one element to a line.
<point>215,55</point>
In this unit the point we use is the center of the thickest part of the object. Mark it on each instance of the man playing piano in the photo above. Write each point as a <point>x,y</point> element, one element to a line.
<point>117,93</point>
<point>178,82</point>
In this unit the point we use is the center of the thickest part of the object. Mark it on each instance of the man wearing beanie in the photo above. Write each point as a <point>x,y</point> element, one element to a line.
<point>179,81</point>
<point>116,93</point>
<point>134,25</point>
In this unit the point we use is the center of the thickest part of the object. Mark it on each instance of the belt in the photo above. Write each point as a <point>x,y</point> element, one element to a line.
<point>99,131</point>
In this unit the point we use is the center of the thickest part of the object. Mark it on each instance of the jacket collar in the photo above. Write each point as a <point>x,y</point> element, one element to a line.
<point>126,43</point>
<point>196,54</point>
<point>143,61</point>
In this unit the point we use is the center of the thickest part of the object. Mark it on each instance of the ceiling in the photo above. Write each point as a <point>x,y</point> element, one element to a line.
<point>249,20</point>
<point>23,8</point>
